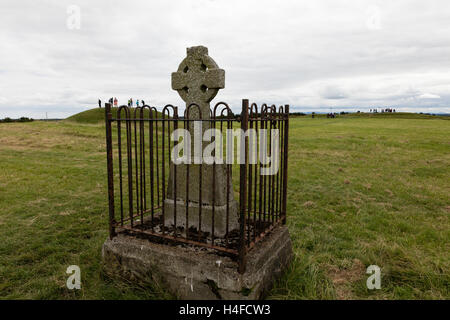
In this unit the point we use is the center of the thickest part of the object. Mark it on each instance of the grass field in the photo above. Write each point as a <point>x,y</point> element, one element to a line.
<point>362,191</point>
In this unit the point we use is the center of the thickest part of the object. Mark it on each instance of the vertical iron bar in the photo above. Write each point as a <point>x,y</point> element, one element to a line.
<point>229,189</point>
<point>227,211</point>
<point>163,174</point>
<point>130,170</point>
<point>250,171</point>
<point>213,126</point>
<point>282,125</point>
<point>270,182</point>
<point>157,161</point>
<point>142,164</point>
<point>109,160</point>
<point>260,213</point>
<point>243,189</point>
<point>152,175</point>
<point>187,165</point>
<point>265,176</point>
<point>277,207</point>
<point>272,125</point>
<point>136,163</point>
<point>200,202</point>
<point>119,143</point>
<point>285,169</point>
<point>256,177</point>
<point>175,127</point>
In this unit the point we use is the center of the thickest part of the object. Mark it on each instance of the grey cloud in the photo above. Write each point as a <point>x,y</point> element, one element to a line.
<point>333,93</point>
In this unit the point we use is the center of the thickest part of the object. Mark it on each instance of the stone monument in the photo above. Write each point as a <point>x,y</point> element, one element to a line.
<point>197,81</point>
<point>189,271</point>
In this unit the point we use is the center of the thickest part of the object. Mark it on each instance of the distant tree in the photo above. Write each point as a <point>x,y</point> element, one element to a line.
<point>22,119</point>
<point>25,119</point>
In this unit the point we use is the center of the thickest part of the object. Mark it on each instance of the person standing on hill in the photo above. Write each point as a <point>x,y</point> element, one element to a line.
<point>99,103</point>
<point>137,103</point>
<point>131,102</point>
<point>115,102</point>
<point>143,102</point>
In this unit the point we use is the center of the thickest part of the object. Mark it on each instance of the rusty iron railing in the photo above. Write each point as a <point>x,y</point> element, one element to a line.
<point>138,146</point>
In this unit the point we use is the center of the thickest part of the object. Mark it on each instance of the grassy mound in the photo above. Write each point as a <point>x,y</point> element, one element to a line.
<point>98,115</point>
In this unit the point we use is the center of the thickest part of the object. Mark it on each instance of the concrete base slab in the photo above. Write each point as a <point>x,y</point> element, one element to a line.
<point>197,273</point>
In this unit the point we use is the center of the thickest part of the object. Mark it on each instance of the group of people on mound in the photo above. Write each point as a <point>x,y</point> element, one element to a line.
<point>115,102</point>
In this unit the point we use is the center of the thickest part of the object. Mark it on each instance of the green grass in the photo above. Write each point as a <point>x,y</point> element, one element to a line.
<point>362,191</point>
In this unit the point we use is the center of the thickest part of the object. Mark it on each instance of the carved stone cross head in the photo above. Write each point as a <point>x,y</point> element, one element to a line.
<point>198,78</point>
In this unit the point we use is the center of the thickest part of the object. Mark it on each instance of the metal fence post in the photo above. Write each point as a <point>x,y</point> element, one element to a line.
<point>175,127</point>
<point>243,189</point>
<point>109,160</point>
<point>285,159</point>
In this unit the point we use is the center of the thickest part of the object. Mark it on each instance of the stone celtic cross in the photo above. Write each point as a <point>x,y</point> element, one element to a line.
<point>198,80</point>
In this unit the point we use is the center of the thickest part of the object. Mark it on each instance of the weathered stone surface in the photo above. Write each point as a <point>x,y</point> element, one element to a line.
<point>209,195</point>
<point>197,80</point>
<point>194,273</point>
<point>220,216</point>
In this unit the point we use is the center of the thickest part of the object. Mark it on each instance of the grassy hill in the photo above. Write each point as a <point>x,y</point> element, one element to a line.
<point>90,116</point>
<point>97,115</point>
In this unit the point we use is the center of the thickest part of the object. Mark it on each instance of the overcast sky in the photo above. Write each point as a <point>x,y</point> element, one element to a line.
<point>313,55</point>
